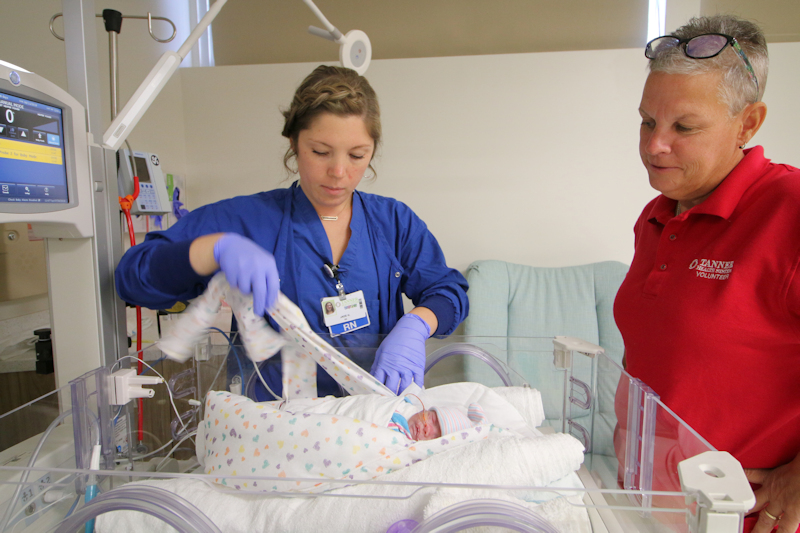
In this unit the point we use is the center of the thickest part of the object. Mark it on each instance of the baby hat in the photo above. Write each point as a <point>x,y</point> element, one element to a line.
<point>452,419</point>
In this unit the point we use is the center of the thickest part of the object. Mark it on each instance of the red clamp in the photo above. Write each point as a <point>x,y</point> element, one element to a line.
<point>126,203</point>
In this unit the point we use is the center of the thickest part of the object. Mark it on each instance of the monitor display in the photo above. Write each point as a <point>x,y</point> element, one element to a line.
<point>141,170</point>
<point>33,168</point>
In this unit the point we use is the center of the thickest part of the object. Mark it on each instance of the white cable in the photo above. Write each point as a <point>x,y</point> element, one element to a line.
<point>258,371</point>
<point>169,391</point>
<point>158,468</point>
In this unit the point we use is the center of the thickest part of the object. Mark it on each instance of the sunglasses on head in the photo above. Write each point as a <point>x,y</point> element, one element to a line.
<point>700,47</point>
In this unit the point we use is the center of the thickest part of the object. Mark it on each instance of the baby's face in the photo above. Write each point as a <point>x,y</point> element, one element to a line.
<point>424,426</point>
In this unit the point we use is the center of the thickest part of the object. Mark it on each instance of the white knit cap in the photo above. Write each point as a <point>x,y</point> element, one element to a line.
<point>452,419</point>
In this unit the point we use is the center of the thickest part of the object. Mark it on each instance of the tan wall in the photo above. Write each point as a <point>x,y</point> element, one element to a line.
<point>249,32</point>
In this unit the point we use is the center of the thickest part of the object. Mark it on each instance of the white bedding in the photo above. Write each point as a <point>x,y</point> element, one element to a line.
<point>512,460</point>
<point>516,461</point>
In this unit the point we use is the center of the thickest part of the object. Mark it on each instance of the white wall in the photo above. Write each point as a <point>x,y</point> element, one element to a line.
<point>529,158</point>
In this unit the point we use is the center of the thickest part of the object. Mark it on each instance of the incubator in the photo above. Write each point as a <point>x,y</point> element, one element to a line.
<point>641,468</point>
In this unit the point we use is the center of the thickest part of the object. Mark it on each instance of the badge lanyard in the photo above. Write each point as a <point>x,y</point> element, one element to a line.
<point>333,272</point>
<point>344,313</point>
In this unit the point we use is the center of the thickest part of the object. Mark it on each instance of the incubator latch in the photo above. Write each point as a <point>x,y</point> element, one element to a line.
<point>564,346</point>
<point>717,482</point>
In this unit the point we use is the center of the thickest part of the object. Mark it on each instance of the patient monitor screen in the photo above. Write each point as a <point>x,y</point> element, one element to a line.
<point>141,170</point>
<point>32,165</point>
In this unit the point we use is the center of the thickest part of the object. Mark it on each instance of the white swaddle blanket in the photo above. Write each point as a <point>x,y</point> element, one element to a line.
<point>242,442</point>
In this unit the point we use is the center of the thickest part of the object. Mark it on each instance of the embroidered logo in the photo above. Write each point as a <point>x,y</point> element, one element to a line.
<point>712,269</point>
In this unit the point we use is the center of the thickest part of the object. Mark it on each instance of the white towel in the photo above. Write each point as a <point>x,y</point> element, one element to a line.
<point>499,461</point>
<point>527,401</point>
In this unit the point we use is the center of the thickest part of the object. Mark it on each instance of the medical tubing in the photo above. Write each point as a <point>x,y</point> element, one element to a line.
<point>23,478</point>
<point>172,450</point>
<point>476,513</point>
<point>22,514</point>
<point>214,379</point>
<point>469,349</point>
<point>139,367</point>
<point>162,504</point>
<point>246,384</point>
<point>74,505</point>
<point>236,353</point>
<point>145,456</point>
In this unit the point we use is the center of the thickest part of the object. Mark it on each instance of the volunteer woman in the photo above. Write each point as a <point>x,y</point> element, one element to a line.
<point>710,309</point>
<point>315,241</point>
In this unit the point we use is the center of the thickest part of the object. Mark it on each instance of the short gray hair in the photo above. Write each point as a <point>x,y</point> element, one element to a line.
<point>736,89</point>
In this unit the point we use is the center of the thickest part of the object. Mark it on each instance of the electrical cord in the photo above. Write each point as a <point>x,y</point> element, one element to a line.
<point>255,365</point>
<point>235,351</point>
<point>169,391</point>
<point>263,382</point>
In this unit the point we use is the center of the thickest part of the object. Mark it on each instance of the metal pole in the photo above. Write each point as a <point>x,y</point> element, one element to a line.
<point>83,83</point>
<point>113,63</point>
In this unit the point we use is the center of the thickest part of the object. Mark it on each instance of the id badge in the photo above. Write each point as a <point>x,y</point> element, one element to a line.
<point>345,315</point>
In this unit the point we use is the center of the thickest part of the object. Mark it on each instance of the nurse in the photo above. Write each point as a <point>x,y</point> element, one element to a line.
<point>343,256</point>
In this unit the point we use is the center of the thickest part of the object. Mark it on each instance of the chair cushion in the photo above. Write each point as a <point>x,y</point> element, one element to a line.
<point>519,302</point>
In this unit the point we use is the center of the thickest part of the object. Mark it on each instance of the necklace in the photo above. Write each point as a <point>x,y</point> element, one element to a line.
<point>326,218</point>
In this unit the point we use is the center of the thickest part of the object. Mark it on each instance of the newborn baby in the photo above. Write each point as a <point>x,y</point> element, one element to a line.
<point>432,423</point>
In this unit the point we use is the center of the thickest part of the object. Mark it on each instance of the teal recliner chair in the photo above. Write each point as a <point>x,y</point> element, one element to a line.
<point>519,302</point>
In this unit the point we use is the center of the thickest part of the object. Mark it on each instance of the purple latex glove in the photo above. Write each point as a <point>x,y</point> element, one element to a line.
<point>401,356</point>
<point>177,205</point>
<point>250,268</point>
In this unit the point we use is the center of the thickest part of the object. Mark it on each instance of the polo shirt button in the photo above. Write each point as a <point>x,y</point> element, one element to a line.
<point>663,267</point>
<point>673,237</point>
<point>397,274</point>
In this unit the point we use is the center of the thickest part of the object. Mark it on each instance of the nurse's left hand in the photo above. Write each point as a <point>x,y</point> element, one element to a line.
<point>778,496</point>
<point>400,358</point>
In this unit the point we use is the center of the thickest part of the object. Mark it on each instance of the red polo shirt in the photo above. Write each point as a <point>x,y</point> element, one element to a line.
<point>710,311</point>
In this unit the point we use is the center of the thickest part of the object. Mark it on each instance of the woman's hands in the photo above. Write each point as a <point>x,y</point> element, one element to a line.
<point>400,358</point>
<point>779,496</point>
<point>248,266</point>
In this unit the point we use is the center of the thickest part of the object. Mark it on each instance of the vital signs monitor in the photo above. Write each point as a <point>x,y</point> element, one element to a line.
<point>33,154</point>
<point>44,167</point>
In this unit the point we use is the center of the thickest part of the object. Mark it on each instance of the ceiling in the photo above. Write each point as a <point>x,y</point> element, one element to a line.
<point>274,31</point>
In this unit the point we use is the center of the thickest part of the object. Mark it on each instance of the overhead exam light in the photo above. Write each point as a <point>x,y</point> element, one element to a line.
<point>355,50</point>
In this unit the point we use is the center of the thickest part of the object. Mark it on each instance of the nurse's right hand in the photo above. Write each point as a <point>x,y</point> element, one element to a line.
<point>250,268</point>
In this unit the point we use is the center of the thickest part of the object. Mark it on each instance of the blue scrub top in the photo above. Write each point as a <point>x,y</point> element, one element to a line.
<point>390,253</point>
<point>357,271</point>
